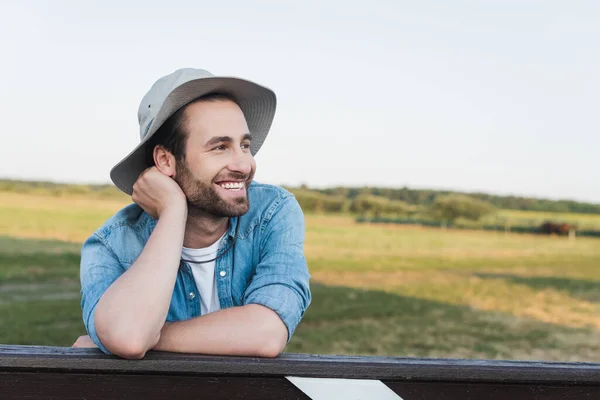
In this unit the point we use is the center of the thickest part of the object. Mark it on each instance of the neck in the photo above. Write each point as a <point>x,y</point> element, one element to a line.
<point>203,230</point>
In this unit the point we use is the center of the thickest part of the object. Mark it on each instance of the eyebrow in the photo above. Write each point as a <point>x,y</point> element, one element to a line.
<point>225,139</point>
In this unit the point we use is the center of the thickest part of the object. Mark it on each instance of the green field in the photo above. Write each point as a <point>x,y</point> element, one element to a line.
<point>377,290</point>
<point>535,218</point>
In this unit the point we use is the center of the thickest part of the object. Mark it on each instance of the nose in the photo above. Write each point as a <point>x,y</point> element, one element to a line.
<point>240,162</point>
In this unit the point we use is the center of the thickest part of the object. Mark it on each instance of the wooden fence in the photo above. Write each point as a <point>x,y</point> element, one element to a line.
<point>34,372</point>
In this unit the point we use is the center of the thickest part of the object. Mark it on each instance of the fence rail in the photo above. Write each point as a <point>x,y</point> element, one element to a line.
<point>34,372</point>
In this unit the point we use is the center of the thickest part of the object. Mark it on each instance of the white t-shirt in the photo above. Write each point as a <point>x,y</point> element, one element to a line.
<point>204,275</point>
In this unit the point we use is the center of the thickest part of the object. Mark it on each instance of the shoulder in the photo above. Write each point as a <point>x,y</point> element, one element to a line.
<point>272,205</point>
<point>124,234</point>
<point>266,200</point>
<point>130,217</point>
<point>257,189</point>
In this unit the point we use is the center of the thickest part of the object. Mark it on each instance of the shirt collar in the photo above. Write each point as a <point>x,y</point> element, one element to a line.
<point>233,221</point>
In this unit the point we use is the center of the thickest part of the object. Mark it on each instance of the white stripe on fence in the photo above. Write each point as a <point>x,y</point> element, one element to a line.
<point>343,389</point>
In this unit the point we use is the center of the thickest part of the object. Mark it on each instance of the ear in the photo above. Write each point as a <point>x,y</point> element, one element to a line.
<point>164,161</point>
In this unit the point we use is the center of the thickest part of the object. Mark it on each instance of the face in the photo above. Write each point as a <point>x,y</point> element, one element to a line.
<point>218,164</point>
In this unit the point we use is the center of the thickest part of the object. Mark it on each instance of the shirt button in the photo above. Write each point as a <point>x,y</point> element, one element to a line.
<point>222,273</point>
<point>192,296</point>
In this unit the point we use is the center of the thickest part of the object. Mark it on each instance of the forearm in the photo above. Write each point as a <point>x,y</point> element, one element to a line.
<point>132,311</point>
<point>250,330</point>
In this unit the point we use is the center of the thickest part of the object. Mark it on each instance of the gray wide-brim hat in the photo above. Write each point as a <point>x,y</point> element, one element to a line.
<point>178,89</point>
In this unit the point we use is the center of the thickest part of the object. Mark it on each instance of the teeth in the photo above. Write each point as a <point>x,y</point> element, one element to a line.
<point>234,186</point>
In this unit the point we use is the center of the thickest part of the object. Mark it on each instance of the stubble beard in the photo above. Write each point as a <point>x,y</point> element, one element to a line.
<point>203,198</point>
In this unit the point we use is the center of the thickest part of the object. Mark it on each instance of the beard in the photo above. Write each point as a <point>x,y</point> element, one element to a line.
<point>203,197</point>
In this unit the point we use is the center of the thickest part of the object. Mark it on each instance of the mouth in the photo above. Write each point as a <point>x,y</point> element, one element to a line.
<point>232,188</point>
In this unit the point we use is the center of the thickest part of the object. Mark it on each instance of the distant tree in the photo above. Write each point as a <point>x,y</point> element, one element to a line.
<point>340,191</point>
<point>398,208</point>
<point>365,191</point>
<point>313,201</point>
<point>310,201</point>
<point>368,204</point>
<point>359,205</point>
<point>453,206</point>
<point>334,204</point>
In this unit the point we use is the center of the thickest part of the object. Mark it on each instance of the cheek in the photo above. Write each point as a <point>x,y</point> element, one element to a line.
<point>207,175</point>
<point>200,172</point>
<point>204,169</point>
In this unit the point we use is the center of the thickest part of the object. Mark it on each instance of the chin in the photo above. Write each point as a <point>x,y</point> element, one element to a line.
<point>229,208</point>
<point>238,210</point>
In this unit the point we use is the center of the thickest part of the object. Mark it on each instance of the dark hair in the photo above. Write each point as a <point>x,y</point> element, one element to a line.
<point>172,135</point>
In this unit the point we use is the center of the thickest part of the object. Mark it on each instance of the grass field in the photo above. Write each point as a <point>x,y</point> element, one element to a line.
<point>535,218</point>
<point>384,290</point>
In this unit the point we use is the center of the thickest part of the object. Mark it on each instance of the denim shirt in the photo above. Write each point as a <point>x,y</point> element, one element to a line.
<point>266,265</point>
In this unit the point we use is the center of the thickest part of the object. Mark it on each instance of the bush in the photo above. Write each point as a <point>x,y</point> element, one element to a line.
<point>368,204</point>
<point>451,207</point>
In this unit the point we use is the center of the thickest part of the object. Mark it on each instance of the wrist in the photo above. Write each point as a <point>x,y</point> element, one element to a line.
<point>176,211</point>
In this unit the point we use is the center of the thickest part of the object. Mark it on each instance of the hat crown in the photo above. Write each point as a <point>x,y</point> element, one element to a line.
<point>153,100</point>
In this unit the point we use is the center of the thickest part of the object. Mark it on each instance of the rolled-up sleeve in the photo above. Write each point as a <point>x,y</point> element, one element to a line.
<point>281,280</point>
<point>98,270</point>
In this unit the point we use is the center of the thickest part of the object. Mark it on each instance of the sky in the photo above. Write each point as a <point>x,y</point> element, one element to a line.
<point>491,96</point>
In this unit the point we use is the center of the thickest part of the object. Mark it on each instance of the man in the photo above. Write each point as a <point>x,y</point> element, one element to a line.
<point>205,260</point>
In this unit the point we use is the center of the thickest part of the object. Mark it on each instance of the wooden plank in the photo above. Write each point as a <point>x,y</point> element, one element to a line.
<point>55,385</point>
<point>493,391</point>
<point>54,359</point>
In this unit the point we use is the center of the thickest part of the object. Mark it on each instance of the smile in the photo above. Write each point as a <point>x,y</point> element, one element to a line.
<point>232,186</point>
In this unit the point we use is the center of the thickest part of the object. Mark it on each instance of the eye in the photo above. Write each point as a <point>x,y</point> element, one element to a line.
<point>246,146</point>
<point>220,147</point>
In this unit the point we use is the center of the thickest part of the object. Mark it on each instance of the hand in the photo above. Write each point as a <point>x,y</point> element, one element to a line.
<point>84,342</point>
<point>156,192</point>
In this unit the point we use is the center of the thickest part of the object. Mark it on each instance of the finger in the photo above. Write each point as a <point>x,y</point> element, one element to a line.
<point>165,173</point>
<point>149,171</point>
<point>143,174</point>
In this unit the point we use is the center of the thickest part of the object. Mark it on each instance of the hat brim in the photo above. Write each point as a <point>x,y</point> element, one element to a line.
<point>257,102</point>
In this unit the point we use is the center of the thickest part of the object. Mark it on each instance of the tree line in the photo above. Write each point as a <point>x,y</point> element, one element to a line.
<point>446,208</point>
<point>391,201</point>
<point>426,197</point>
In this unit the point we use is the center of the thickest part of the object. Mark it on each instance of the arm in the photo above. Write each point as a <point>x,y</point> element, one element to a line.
<point>274,302</point>
<point>250,330</point>
<point>124,312</point>
<point>222,331</point>
<point>132,311</point>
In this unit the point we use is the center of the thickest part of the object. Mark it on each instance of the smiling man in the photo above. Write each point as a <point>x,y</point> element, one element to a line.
<point>205,260</point>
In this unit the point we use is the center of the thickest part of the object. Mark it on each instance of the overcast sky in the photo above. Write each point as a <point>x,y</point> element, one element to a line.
<point>493,96</point>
